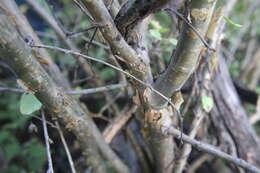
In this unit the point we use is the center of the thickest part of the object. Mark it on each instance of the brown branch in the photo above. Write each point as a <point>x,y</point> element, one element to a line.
<point>228,114</point>
<point>72,167</point>
<point>213,151</point>
<point>47,143</point>
<point>74,92</point>
<point>118,123</point>
<point>173,11</point>
<point>77,55</point>
<point>26,30</point>
<point>50,20</point>
<point>60,105</point>
<point>186,55</point>
<point>119,46</point>
<point>186,150</point>
<point>134,11</point>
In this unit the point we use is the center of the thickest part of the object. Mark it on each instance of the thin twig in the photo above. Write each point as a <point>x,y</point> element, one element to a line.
<point>171,10</point>
<point>72,167</point>
<point>70,34</point>
<point>46,137</point>
<point>84,10</point>
<point>75,92</point>
<point>52,9</point>
<point>118,123</point>
<point>110,102</point>
<point>94,42</point>
<point>16,90</point>
<point>197,163</point>
<point>213,150</point>
<point>77,54</point>
<point>185,152</point>
<point>91,39</point>
<point>47,122</point>
<point>98,89</point>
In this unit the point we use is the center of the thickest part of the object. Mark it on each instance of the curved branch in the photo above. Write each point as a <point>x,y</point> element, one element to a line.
<point>119,46</point>
<point>186,55</point>
<point>134,11</point>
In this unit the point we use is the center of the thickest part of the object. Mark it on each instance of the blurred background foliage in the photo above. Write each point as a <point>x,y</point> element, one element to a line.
<point>21,140</point>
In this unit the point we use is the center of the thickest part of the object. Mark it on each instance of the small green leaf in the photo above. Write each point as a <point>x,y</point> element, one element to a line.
<point>156,34</point>
<point>155,24</point>
<point>207,103</point>
<point>29,104</point>
<point>163,30</point>
<point>229,21</point>
<point>173,41</point>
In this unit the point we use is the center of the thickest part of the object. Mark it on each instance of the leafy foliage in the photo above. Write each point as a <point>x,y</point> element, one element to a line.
<point>19,154</point>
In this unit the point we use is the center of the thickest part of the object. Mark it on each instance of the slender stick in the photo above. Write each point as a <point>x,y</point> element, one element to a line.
<point>171,10</point>
<point>75,92</point>
<point>185,152</point>
<point>72,167</point>
<point>77,54</point>
<point>213,151</point>
<point>98,89</point>
<point>46,137</point>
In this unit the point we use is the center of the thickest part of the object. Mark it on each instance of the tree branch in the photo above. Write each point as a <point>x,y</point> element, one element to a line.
<point>186,55</point>
<point>213,151</point>
<point>17,54</point>
<point>134,11</point>
<point>118,45</point>
<point>26,30</point>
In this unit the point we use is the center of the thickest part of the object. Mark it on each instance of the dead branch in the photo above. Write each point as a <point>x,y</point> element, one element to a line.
<point>213,151</point>
<point>47,144</point>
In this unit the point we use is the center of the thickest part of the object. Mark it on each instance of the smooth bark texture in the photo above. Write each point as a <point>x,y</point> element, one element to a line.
<point>186,55</point>
<point>99,157</point>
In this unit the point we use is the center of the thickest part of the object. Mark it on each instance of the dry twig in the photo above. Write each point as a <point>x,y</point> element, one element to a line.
<point>47,144</point>
<point>72,167</point>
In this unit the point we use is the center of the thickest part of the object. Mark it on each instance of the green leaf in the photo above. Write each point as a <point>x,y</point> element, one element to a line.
<point>229,21</point>
<point>155,24</point>
<point>29,104</point>
<point>163,30</point>
<point>156,34</point>
<point>207,103</point>
<point>173,41</point>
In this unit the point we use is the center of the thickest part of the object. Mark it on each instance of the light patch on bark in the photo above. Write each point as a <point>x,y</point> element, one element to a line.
<point>24,86</point>
<point>200,14</point>
<point>160,119</point>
